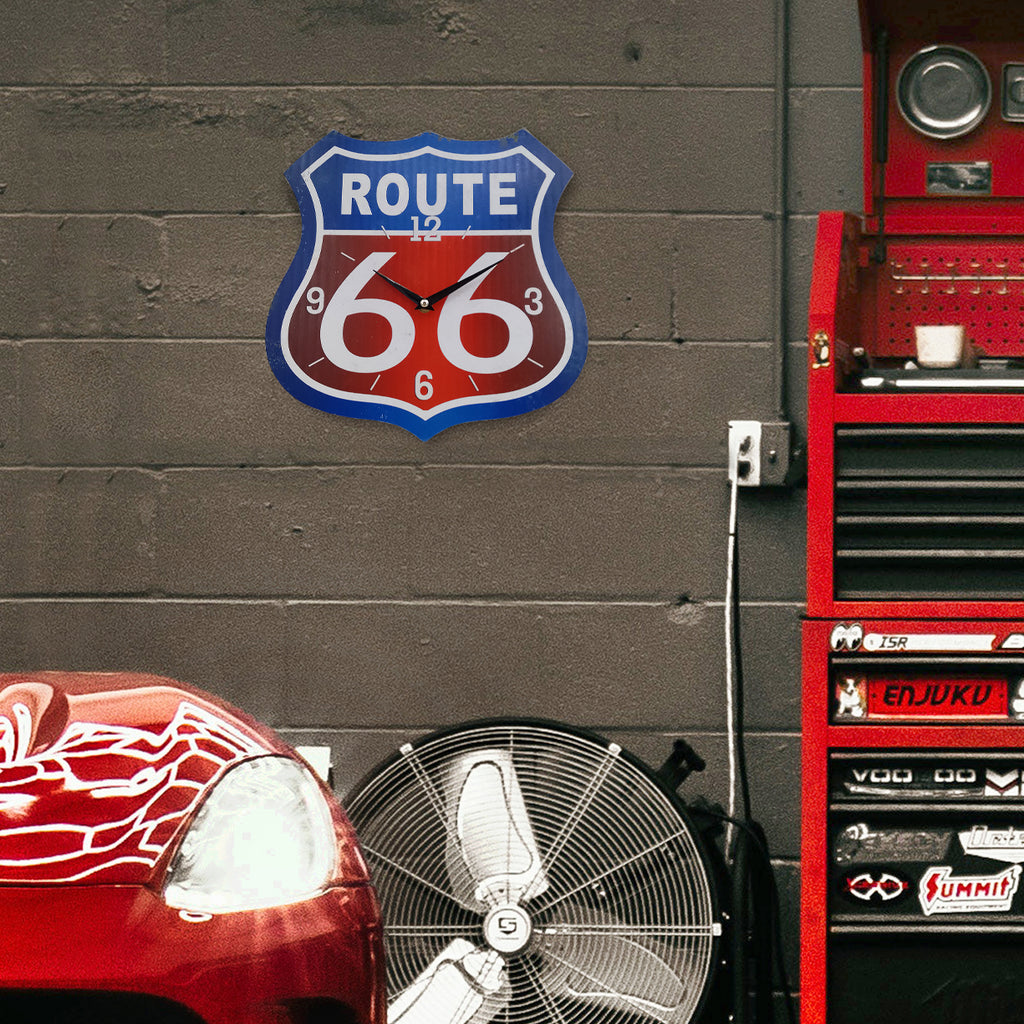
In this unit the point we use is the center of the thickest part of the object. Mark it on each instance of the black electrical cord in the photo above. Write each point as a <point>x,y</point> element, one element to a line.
<point>755,897</point>
<point>737,843</point>
<point>737,660</point>
<point>758,842</point>
<point>753,876</point>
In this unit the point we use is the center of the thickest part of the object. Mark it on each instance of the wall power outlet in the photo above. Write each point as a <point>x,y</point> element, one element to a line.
<point>759,452</point>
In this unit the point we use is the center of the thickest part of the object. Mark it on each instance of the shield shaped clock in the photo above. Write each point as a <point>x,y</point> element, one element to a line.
<point>427,290</point>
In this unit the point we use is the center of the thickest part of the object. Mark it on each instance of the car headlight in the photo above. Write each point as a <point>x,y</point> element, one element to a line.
<point>263,837</point>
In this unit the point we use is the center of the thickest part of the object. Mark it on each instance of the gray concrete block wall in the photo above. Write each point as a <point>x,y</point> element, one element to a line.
<point>167,507</point>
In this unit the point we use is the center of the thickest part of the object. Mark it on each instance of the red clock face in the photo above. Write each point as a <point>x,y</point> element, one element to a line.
<point>427,290</point>
<point>354,332</point>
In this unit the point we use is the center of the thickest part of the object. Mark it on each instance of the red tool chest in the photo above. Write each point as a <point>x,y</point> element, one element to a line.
<point>913,644</point>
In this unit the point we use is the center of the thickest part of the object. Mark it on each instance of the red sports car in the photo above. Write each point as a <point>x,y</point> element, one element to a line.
<point>166,860</point>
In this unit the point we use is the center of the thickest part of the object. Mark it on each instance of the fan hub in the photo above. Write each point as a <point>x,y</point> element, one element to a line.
<point>507,928</point>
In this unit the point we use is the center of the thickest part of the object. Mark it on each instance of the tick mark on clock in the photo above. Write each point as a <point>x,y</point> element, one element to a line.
<point>535,363</point>
<point>467,231</point>
<point>374,384</point>
<point>346,255</point>
<point>473,382</point>
<point>517,248</point>
<point>385,230</point>
<point>320,360</point>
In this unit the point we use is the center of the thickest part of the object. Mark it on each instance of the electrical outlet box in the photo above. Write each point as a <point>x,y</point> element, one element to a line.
<point>776,453</point>
<point>745,452</point>
<point>759,453</point>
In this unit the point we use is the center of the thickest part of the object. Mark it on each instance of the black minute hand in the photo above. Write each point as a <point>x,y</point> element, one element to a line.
<point>418,300</point>
<point>437,296</point>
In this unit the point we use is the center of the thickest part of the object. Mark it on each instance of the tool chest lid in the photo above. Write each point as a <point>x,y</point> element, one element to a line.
<point>944,115</point>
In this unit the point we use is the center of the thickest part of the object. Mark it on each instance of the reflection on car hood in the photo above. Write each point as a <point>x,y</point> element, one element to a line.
<point>100,771</point>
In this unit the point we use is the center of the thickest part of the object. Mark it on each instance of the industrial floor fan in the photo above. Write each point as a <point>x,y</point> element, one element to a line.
<point>533,873</point>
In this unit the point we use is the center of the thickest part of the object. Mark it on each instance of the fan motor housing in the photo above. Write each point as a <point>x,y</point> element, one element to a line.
<point>507,928</point>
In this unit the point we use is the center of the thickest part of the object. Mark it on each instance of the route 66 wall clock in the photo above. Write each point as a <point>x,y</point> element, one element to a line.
<point>427,290</point>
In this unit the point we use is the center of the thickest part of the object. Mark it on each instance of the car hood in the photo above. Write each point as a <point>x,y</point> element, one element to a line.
<point>101,772</point>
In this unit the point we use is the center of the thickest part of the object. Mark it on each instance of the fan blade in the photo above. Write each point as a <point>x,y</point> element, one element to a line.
<point>492,837</point>
<point>463,984</point>
<point>613,970</point>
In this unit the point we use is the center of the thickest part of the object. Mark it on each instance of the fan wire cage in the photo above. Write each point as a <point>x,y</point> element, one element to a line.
<point>530,873</point>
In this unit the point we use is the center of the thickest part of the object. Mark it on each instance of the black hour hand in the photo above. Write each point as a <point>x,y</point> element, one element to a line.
<point>417,299</point>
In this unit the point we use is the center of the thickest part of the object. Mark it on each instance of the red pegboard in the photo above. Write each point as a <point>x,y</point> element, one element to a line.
<point>975,282</point>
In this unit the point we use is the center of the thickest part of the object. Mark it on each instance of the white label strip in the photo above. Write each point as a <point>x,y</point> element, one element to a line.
<point>929,641</point>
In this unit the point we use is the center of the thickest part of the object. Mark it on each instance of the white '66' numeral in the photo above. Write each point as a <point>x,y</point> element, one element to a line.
<point>459,304</point>
<point>345,301</point>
